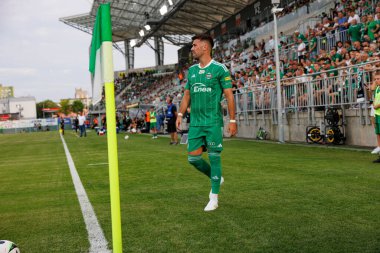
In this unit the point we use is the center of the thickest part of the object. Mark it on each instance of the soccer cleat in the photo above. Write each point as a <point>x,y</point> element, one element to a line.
<point>213,203</point>
<point>377,160</point>
<point>376,151</point>
<point>221,182</point>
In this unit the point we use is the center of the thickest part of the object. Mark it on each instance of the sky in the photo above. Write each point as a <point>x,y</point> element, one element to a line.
<point>44,58</point>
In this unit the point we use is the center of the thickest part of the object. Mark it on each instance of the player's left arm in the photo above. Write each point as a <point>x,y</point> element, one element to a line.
<point>228,94</point>
<point>232,127</point>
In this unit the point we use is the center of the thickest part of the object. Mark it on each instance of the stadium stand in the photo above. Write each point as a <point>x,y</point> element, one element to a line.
<point>328,50</point>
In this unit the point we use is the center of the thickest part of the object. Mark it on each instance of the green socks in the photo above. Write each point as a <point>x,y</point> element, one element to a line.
<point>216,171</point>
<point>200,164</point>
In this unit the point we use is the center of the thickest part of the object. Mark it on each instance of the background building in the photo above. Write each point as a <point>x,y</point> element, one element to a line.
<point>18,108</point>
<point>82,95</point>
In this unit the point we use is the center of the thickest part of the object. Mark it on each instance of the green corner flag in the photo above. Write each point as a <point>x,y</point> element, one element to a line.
<point>101,67</point>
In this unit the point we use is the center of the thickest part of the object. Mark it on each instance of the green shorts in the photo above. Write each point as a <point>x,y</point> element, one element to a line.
<point>377,124</point>
<point>209,136</point>
<point>153,125</point>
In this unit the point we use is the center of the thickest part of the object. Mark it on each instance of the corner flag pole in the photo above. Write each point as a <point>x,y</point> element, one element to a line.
<point>101,46</point>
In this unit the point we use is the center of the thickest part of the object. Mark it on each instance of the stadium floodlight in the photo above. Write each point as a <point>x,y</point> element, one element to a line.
<point>147,27</point>
<point>132,43</point>
<point>280,123</point>
<point>170,2</point>
<point>141,32</point>
<point>163,10</point>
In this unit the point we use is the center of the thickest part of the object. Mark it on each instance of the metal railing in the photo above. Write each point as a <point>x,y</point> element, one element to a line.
<point>309,93</point>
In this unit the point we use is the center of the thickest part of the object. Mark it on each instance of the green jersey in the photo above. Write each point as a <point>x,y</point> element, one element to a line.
<point>355,31</point>
<point>313,41</point>
<point>206,90</point>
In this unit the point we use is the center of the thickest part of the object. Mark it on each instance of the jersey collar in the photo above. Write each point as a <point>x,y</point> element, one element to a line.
<point>199,65</point>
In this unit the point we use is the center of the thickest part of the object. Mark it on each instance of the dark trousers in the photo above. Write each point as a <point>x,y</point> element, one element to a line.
<point>82,129</point>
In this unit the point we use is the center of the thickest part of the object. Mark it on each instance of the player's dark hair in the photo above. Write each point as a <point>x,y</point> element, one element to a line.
<point>204,37</point>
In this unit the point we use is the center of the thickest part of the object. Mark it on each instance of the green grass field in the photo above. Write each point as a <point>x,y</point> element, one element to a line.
<point>276,198</point>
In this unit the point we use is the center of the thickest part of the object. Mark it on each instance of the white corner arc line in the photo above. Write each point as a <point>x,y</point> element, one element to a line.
<point>98,243</point>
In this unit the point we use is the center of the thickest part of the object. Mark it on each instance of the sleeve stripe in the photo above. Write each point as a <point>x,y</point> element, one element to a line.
<point>221,65</point>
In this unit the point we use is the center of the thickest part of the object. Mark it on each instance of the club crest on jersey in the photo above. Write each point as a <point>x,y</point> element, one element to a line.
<point>201,71</point>
<point>208,76</point>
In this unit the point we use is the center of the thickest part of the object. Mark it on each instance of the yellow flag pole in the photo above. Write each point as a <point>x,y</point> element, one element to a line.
<point>113,168</point>
<point>108,77</point>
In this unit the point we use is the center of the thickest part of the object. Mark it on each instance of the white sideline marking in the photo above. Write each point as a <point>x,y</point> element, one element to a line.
<point>98,243</point>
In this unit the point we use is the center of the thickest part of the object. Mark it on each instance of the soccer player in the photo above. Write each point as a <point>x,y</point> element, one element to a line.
<point>207,82</point>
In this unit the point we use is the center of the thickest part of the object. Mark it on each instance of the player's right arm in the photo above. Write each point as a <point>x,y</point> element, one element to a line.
<point>183,107</point>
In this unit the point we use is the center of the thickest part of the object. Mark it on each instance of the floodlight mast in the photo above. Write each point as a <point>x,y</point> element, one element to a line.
<point>280,124</point>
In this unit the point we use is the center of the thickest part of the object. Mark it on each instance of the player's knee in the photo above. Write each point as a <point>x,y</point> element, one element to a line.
<point>194,159</point>
<point>196,152</point>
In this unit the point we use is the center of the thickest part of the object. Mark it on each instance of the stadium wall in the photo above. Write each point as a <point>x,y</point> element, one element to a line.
<point>357,133</point>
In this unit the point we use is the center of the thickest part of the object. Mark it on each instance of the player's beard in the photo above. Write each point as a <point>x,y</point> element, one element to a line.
<point>195,56</point>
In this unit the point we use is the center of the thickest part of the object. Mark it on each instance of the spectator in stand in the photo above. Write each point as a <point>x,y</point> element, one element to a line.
<point>364,21</point>
<point>312,45</point>
<point>353,16</point>
<point>283,38</point>
<point>372,27</point>
<point>342,22</point>
<point>301,50</point>
<point>377,15</point>
<point>339,47</point>
<point>357,46</point>
<point>347,45</point>
<point>355,31</point>
<point>335,57</point>
<point>298,35</point>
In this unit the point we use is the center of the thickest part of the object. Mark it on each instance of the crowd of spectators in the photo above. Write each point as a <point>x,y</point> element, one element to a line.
<point>349,36</point>
<point>152,89</point>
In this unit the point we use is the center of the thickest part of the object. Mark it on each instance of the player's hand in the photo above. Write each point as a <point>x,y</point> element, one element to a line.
<point>178,123</point>
<point>232,129</point>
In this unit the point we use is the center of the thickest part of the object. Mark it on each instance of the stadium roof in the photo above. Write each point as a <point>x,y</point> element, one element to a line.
<point>183,19</point>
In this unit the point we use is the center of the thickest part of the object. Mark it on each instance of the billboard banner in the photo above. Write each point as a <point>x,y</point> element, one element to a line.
<point>12,124</point>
